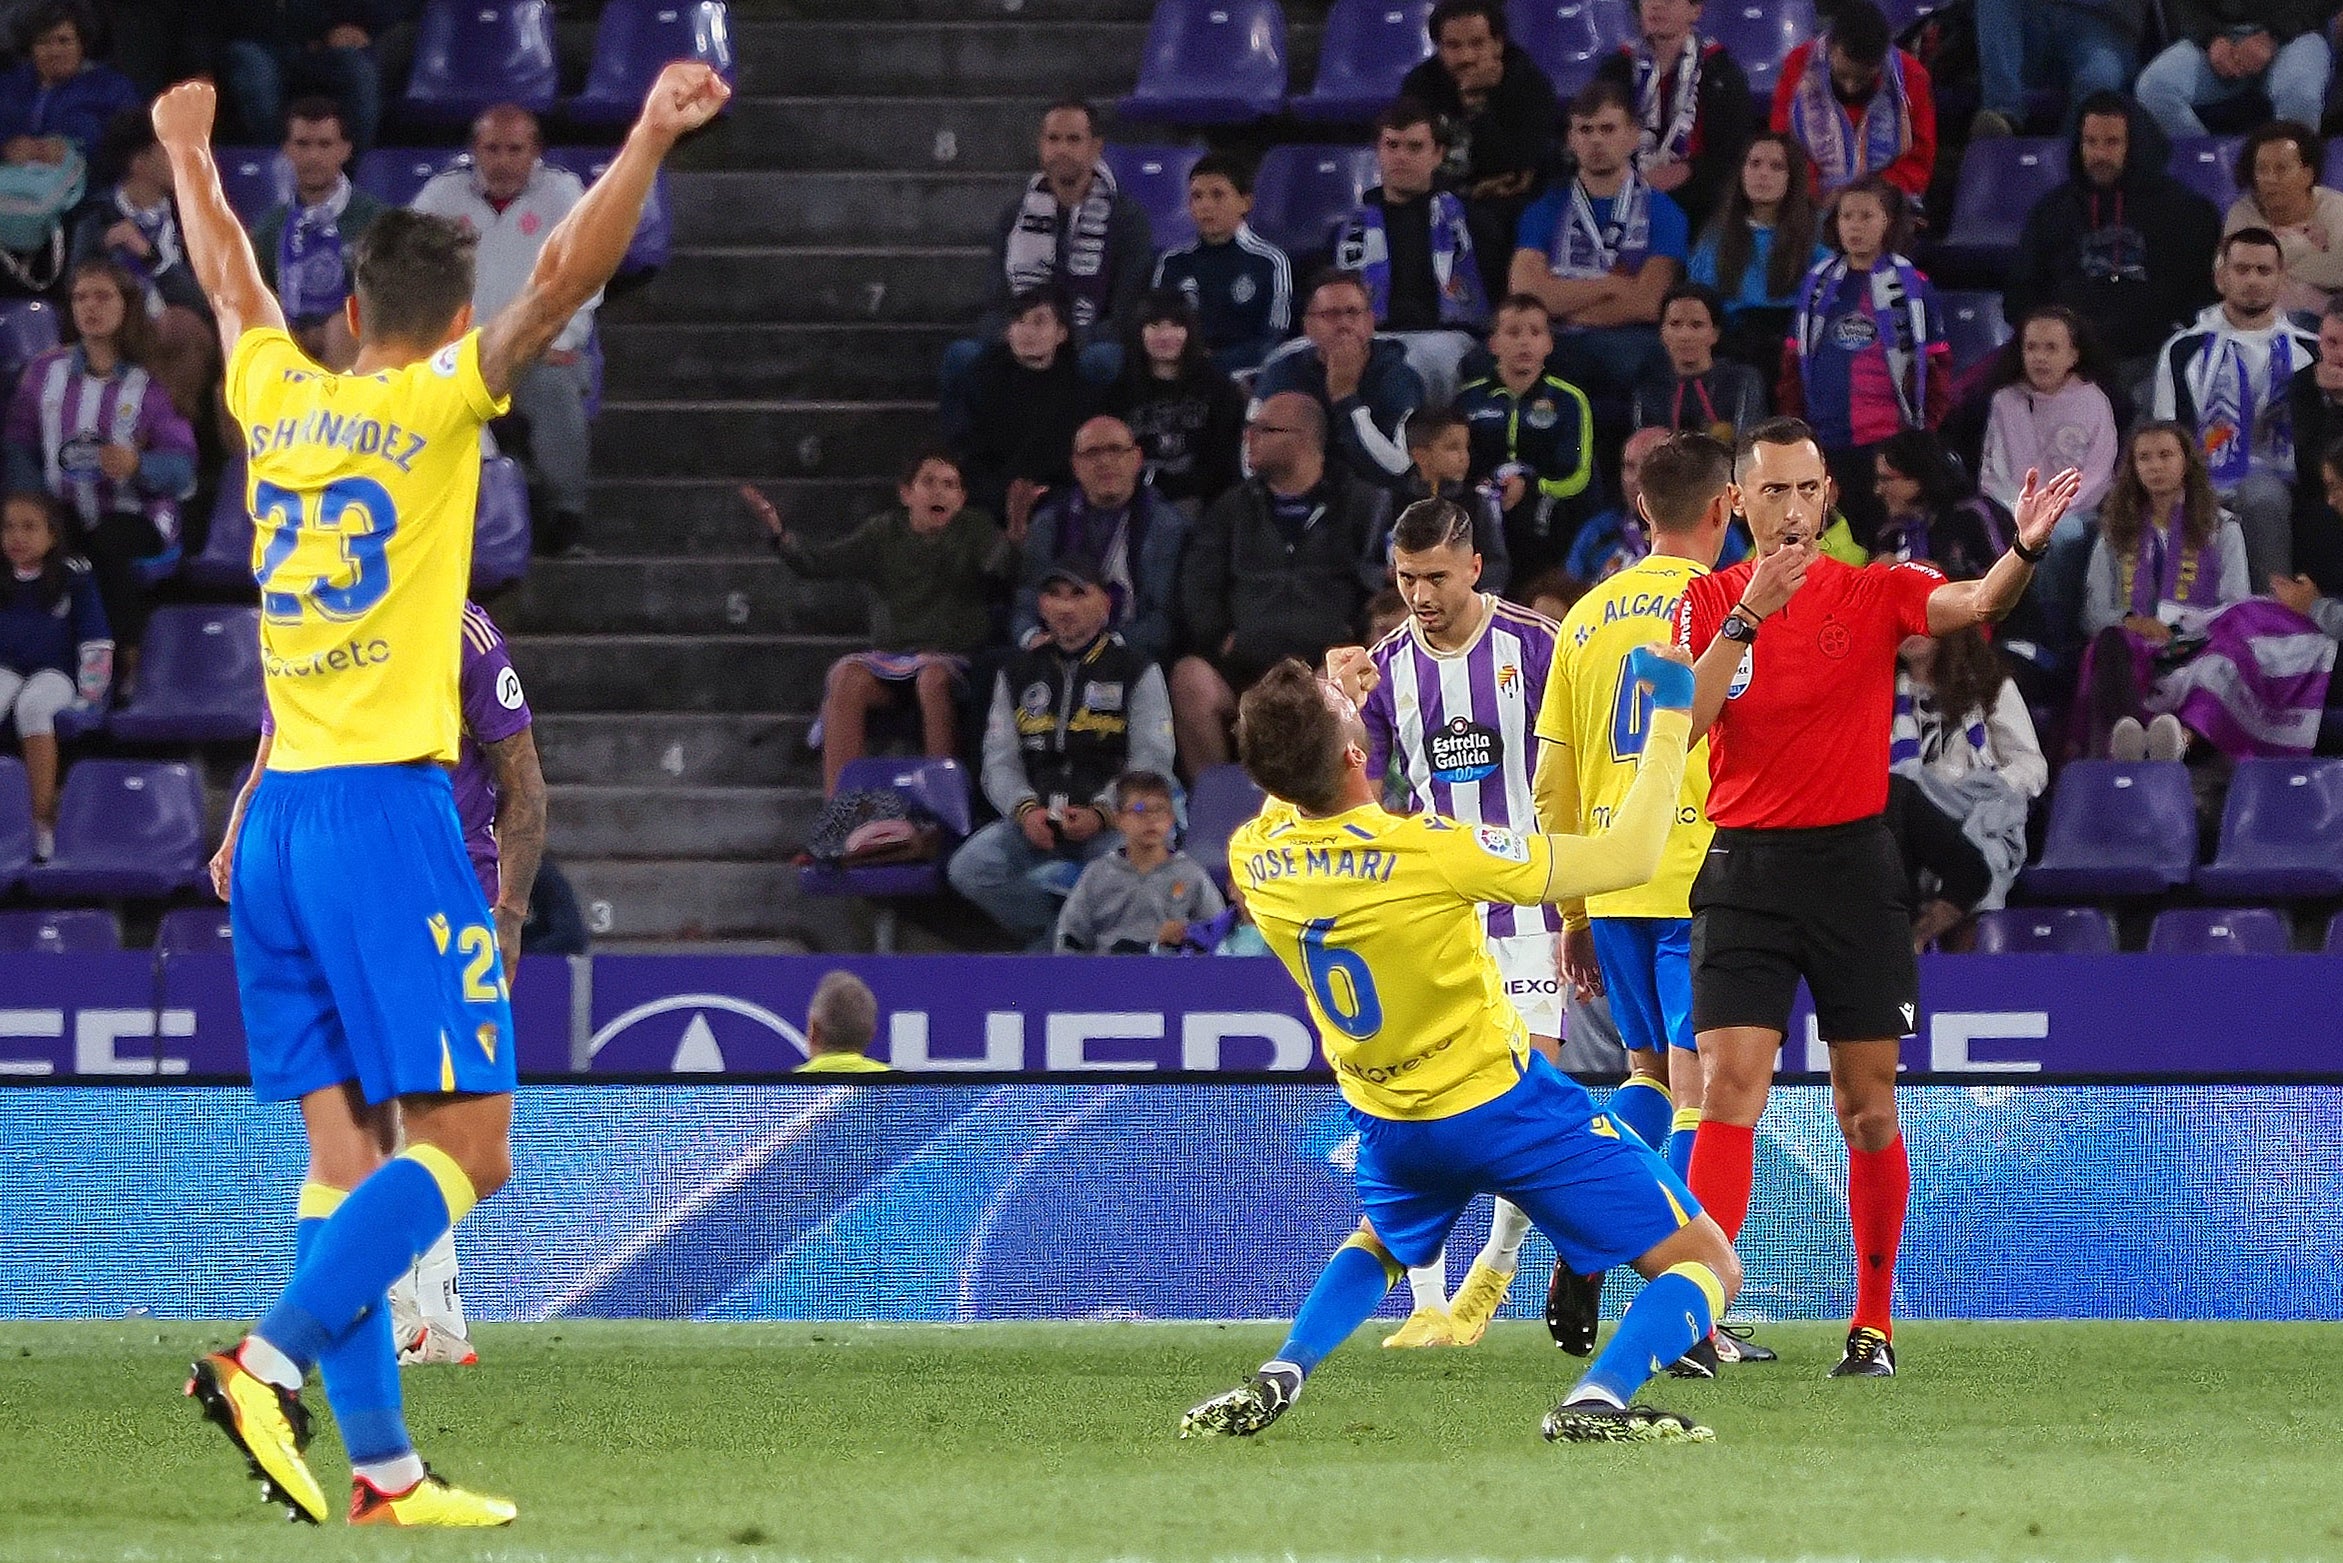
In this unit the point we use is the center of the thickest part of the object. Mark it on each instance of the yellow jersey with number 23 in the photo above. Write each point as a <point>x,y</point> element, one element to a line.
<point>1377,917</point>
<point>363,490</point>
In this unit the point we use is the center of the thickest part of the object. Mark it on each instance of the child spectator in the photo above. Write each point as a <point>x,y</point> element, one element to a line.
<point>1188,417</point>
<point>303,245</point>
<point>91,426</point>
<point>58,100</point>
<point>1241,284</point>
<point>1413,246</point>
<point>1696,390</point>
<point>1143,897</point>
<point>1532,434</point>
<point>929,564</point>
<point>134,223</point>
<point>1440,445</point>
<point>55,650</point>
<point>2051,411</point>
<point>1867,355</point>
<point>1759,246</point>
<point>1025,399</point>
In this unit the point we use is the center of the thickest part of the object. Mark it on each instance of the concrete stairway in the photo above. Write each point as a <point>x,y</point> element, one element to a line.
<point>831,236</point>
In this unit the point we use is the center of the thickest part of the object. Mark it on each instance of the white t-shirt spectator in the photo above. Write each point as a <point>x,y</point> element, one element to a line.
<point>510,239</point>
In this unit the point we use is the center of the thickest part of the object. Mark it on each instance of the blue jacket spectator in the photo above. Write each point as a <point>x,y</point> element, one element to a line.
<point>1363,381</point>
<point>1125,533</point>
<point>58,94</point>
<point>1765,238</point>
<point>1241,284</point>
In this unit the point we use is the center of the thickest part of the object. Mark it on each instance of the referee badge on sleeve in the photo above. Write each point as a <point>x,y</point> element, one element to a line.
<point>1742,674</point>
<point>1501,843</point>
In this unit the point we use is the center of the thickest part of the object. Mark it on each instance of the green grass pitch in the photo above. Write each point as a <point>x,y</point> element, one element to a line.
<point>730,1443</point>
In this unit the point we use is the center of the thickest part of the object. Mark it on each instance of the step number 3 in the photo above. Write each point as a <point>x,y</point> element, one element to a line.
<point>1343,986</point>
<point>357,513</point>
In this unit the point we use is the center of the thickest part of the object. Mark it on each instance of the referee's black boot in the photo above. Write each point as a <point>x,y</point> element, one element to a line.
<point>1870,1354</point>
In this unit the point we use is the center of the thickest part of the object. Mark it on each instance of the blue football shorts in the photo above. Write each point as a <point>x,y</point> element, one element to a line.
<point>1597,1192</point>
<point>1647,971</point>
<point>364,948</point>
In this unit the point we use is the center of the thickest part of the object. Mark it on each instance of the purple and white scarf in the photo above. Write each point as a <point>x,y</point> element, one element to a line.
<point>1584,248</point>
<point>313,280</point>
<point>2259,684</point>
<point>1668,117</point>
<point>2237,423</point>
<point>1031,255</point>
<point>1844,151</point>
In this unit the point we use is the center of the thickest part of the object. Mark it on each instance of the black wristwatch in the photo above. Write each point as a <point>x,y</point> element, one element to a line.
<point>1738,628</point>
<point>2030,555</point>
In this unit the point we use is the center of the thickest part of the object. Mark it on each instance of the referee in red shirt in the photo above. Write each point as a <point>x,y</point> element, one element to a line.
<point>1796,659</point>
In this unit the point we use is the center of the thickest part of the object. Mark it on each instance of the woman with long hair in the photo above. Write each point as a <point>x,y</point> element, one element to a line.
<point>93,427</point>
<point>1758,247</point>
<point>1188,417</point>
<point>1966,768</point>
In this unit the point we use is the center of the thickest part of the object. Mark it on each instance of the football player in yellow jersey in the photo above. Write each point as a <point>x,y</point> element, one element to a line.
<point>1635,944</point>
<point>1378,919</point>
<point>366,955</point>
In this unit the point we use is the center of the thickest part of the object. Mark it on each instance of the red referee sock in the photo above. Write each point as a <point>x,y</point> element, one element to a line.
<point>1879,1186</point>
<point>1724,1162</point>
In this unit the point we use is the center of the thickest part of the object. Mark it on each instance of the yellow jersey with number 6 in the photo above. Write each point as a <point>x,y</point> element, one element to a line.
<point>363,490</point>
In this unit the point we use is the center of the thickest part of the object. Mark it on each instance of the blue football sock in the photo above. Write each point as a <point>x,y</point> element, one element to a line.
<point>1349,1290</point>
<point>1643,1104</point>
<point>1678,1307</point>
<point>361,1369</point>
<point>378,1232</point>
<point>1680,1141</point>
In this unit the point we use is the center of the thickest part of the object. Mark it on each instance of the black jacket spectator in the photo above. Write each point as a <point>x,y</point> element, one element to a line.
<point>1724,118</point>
<point>1144,536</point>
<point>1079,720</point>
<point>1499,153</point>
<point>2128,248</point>
<point>1021,424</point>
<point>2198,21</point>
<point>1366,431</point>
<point>1190,428</point>
<point>1286,579</point>
<point>2318,535</point>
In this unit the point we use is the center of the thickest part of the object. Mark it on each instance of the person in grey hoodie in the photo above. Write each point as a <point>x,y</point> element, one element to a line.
<point>1143,897</point>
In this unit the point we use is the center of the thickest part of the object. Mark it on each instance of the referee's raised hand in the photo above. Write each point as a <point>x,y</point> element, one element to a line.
<point>2040,505</point>
<point>1777,578</point>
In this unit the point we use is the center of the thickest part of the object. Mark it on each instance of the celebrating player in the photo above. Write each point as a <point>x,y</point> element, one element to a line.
<point>500,802</point>
<point>1796,674</point>
<point>1456,695</point>
<point>1378,919</point>
<point>365,952</point>
<point>1635,944</point>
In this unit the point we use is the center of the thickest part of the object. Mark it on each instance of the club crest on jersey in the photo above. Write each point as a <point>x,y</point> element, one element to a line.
<point>1742,675</point>
<point>1464,751</point>
<point>1242,290</point>
<point>1507,676</point>
<point>1542,414</point>
<point>1499,842</point>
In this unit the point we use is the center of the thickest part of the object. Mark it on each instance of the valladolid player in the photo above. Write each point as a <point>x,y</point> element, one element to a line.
<point>366,955</point>
<point>1378,919</point>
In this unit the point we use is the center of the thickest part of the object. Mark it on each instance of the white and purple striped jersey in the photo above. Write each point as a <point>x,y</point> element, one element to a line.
<point>1464,726</point>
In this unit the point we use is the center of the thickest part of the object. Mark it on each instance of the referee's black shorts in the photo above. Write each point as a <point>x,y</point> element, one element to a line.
<point>1830,904</point>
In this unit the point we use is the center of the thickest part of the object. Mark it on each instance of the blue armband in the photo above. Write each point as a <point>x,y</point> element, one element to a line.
<point>1671,682</point>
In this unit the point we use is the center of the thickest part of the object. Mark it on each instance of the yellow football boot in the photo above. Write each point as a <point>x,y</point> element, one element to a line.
<point>1477,1301</point>
<point>430,1501</point>
<point>1424,1327</point>
<point>269,1427</point>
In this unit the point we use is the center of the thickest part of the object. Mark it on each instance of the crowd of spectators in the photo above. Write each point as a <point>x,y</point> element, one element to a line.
<point>1534,291</point>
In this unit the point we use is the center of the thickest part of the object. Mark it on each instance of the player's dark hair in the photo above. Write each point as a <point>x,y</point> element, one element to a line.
<point>1600,94</point>
<point>1523,303</point>
<point>1406,113</point>
<point>134,339</point>
<point>2305,140</point>
<point>1289,738</point>
<point>1426,429</point>
<point>316,109</point>
<point>1682,478</point>
<point>1490,11</point>
<point>918,460</point>
<point>1773,431</point>
<point>2261,237</point>
<point>1432,523</point>
<point>1224,165</point>
<point>1699,293</point>
<point>1859,28</point>
<point>412,273</point>
<point>1074,105</point>
<point>1335,277</point>
<point>1138,784</point>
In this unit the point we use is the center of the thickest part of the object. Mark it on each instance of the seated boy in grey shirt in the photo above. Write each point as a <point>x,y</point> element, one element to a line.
<point>1143,895</point>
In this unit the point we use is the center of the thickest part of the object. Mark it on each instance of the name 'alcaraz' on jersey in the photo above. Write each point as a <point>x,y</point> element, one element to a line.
<point>1378,919</point>
<point>1464,724</point>
<point>363,490</point>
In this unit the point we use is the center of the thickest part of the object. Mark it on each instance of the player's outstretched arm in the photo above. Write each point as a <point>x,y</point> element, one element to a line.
<point>520,838</point>
<point>1628,853</point>
<point>584,249</point>
<point>216,244</point>
<point>1958,604</point>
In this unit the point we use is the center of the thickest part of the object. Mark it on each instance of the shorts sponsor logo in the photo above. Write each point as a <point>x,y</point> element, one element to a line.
<point>1501,843</point>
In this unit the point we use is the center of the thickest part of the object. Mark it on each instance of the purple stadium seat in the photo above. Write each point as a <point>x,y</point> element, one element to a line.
<point>1157,178</point>
<point>2281,833</point>
<point>2001,178</point>
<point>2116,830</point>
<point>939,787</point>
<point>76,932</point>
<point>654,239</point>
<point>124,828</point>
<point>16,822</point>
<point>1210,62</point>
<point>1570,38</point>
<point>1368,45</point>
<point>1903,13</point>
<point>470,54</point>
<point>1760,34</point>
<point>255,179</point>
<point>28,328</point>
<point>2045,930</point>
<point>634,39</point>
<point>1974,327</point>
<point>226,559</point>
<point>395,175</point>
<point>2219,930</point>
<point>199,679</point>
<point>500,535</point>
<point>192,930</point>
<point>2208,165</point>
<point>1300,192</point>
<point>1222,799</point>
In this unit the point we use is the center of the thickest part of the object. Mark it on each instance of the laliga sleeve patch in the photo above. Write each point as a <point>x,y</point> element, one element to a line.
<point>508,690</point>
<point>1501,843</point>
<point>443,362</point>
